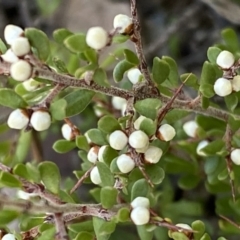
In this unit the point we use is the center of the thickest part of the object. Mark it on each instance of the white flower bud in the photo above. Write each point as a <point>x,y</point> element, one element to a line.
<point>123,111</point>
<point>200,146</point>
<point>18,119</point>
<point>153,154</point>
<point>12,32</point>
<point>118,140</point>
<point>67,132</point>
<point>183,225</point>
<point>140,202</point>
<point>100,153</point>
<point>222,87</point>
<point>190,128</point>
<point>24,195</point>
<point>134,75</point>
<point>97,37</point>
<point>236,83</point>
<point>95,176</point>
<point>118,102</point>
<point>21,70</point>
<point>235,156</point>
<point>138,139</point>
<point>8,236</point>
<point>122,22</point>
<point>125,163</point>
<point>40,120</point>
<point>9,56</point>
<point>166,132</point>
<point>92,155</point>
<point>140,215</point>
<point>30,84</point>
<point>138,122</point>
<point>225,59</point>
<point>21,46</point>
<point>87,137</point>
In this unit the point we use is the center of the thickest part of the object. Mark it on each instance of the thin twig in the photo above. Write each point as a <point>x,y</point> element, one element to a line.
<point>61,232</point>
<point>230,221</point>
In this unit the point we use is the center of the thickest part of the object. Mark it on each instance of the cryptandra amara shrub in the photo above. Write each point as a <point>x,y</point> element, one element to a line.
<point>148,137</point>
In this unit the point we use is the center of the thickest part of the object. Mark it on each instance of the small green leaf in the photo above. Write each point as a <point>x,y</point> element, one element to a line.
<point>102,228</point>
<point>205,102</point>
<point>179,236</point>
<point>175,114</point>
<point>61,34</point>
<point>76,43</point>
<point>131,57</point>
<point>58,109</point>
<point>199,228</point>
<point>108,155</point>
<point>22,148</point>
<point>91,55</point>
<point>190,80</point>
<point>213,53</point>
<point>9,98</point>
<point>84,236</point>
<point>79,73</point>
<point>105,174</point>
<point>108,197</point>
<point>205,237</point>
<point>123,214</point>
<point>50,176</point>
<point>173,74</point>
<point>231,39</point>
<point>3,47</point>
<point>139,189</point>
<point>120,69</point>
<point>63,146</point>
<point>207,90</point>
<point>7,216</point>
<point>187,182</point>
<point>96,136</point>
<point>160,70</point>
<point>108,124</point>
<point>231,101</point>
<point>214,148</point>
<point>100,77</point>
<point>148,126</point>
<point>7,179</point>
<point>144,234</point>
<point>77,101</point>
<point>120,38</point>
<point>148,107</point>
<point>155,173</point>
<point>81,143</point>
<point>21,170</point>
<point>39,41</point>
<point>33,172</point>
<point>59,65</point>
<point>48,234</point>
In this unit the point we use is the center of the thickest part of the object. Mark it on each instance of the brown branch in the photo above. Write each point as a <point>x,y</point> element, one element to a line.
<point>230,221</point>
<point>61,232</point>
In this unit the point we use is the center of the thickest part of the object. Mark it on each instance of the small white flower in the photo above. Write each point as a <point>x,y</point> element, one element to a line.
<point>30,84</point>
<point>236,83</point>
<point>18,119</point>
<point>67,132</point>
<point>125,163</point>
<point>225,59</point>
<point>12,32</point>
<point>140,215</point>
<point>138,122</point>
<point>222,87</point>
<point>118,102</point>
<point>92,155</point>
<point>40,120</point>
<point>134,75</point>
<point>183,225</point>
<point>97,38</point>
<point>166,132</point>
<point>235,156</point>
<point>21,70</point>
<point>118,140</point>
<point>21,46</point>
<point>9,56</point>
<point>138,139</point>
<point>8,236</point>
<point>190,128</point>
<point>200,146</point>
<point>122,22</point>
<point>153,154</point>
<point>140,202</point>
<point>101,152</point>
<point>95,176</point>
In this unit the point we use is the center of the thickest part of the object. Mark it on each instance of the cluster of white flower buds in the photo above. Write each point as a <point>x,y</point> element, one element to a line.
<point>20,118</point>
<point>97,37</point>
<point>20,70</point>
<point>223,86</point>
<point>140,213</point>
